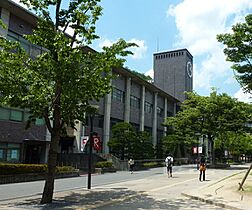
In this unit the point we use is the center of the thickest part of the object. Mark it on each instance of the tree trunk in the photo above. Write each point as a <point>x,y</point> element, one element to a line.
<point>52,159</point>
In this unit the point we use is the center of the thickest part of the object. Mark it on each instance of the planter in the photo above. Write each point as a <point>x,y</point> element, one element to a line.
<point>105,170</point>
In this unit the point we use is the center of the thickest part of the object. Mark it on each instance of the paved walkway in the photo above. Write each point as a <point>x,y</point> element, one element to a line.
<point>224,192</point>
<point>157,192</point>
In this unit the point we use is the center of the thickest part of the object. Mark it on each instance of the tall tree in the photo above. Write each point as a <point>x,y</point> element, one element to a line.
<point>123,136</point>
<point>59,83</point>
<point>210,116</point>
<point>239,51</point>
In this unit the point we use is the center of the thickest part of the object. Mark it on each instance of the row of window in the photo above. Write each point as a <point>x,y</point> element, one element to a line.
<point>119,96</point>
<point>31,49</point>
<point>169,55</point>
<point>9,152</point>
<point>17,115</point>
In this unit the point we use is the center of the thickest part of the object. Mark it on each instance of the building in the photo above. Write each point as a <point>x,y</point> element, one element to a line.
<point>133,100</point>
<point>173,72</point>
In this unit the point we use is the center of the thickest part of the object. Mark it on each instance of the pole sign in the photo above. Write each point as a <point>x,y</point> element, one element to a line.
<point>84,140</point>
<point>97,143</point>
<point>195,150</point>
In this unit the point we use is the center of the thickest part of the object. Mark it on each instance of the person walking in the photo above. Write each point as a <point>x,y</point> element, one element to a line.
<point>169,163</point>
<point>131,163</point>
<point>202,168</point>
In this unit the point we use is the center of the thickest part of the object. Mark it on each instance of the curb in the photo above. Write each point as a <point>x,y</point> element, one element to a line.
<point>222,205</point>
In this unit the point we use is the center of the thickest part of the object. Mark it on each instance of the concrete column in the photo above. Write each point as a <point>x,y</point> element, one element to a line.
<point>127,101</point>
<point>142,109</point>
<point>154,124</point>
<point>106,123</point>
<point>174,109</point>
<point>165,114</point>
<point>5,17</point>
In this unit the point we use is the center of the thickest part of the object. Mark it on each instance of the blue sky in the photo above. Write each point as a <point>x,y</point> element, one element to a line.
<point>162,25</point>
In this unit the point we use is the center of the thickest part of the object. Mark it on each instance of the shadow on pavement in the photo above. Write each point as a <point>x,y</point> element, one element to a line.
<point>115,198</point>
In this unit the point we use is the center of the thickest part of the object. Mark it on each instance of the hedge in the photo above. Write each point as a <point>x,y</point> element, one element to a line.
<point>10,168</point>
<point>104,164</point>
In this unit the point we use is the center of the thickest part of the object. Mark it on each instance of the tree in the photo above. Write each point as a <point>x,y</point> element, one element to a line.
<point>126,143</point>
<point>123,136</point>
<point>239,51</point>
<point>210,117</point>
<point>60,82</point>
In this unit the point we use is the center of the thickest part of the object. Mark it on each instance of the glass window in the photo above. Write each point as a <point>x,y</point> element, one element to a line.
<point>39,121</point>
<point>147,107</point>
<point>117,95</point>
<point>134,102</point>
<point>16,115</point>
<point>4,114</point>
<point>160,111</point>
<point>9,152</point>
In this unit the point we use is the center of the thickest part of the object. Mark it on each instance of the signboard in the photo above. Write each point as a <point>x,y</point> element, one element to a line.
<point>97,143</point>
<point>200,150</point>
<point>84,140</point>
<point>197,150</point>
<point>194,150</point>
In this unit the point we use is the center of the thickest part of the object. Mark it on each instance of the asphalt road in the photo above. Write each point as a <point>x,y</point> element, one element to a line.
<point>17,190</point>
<point>160,192</point>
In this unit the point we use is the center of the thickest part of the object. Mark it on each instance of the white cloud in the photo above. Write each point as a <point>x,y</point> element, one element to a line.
<point>198,22</point>
<point>138,52</point>
<point>150,73</point>
<point>241,96</point>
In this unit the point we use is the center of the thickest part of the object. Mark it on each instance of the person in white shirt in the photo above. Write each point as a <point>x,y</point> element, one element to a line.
<point>131,163</point>
<point>169,163</point>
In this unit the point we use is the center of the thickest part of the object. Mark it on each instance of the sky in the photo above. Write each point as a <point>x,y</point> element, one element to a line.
<point>164,25</point>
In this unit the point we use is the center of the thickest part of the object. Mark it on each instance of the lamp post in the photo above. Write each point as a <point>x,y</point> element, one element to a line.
<point>197,135</point>
<point>91,110</point>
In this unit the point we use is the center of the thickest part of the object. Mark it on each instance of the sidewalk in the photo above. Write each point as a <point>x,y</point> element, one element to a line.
<point>224,193</point>
<point>150,193</point>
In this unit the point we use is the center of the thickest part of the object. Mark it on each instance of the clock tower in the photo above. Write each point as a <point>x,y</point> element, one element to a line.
<point>173,72</point>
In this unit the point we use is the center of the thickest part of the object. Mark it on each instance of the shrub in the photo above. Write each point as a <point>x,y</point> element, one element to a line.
<point>104,164</point>
<point>9,168</point>
<point>152,164</point>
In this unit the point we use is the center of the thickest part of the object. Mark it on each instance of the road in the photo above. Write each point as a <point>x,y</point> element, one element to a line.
<point>150,189</point>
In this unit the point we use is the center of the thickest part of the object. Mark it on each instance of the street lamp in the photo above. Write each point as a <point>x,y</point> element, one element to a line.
<point>91,110</point>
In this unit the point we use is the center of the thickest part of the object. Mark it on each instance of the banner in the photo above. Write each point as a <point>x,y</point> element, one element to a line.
<point>84,140</point>
<point>97,143</point>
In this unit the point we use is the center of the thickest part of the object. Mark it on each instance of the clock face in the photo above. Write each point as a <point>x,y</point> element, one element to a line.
<point>189,69</point>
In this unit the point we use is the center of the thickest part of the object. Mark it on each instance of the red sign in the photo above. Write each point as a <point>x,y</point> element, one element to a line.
<point>97,143</point>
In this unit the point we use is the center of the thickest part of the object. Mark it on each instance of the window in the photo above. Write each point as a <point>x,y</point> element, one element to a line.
<point>134,102</point>
<point>117,95</point>
<point>9,152</point>
<point>32,50</point>
<point>160,111</point>
<point>16,115</point>
<point>147,107</point>
<point>4,114</point>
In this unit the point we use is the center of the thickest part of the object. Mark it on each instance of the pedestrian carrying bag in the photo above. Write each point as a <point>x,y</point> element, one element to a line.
<point>202,167</point>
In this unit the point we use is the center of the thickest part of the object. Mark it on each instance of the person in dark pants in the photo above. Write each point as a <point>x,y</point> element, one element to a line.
<point>131,163</point>
<point>169,163</point>
<point>202,168</point>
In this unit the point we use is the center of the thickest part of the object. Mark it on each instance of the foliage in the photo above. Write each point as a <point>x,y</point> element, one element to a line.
<point>104,164</point>
<point>126,143</point>
<point>142,76</point>
<point>61,81</point>
<point>10,169</point>
<point>152,164</point>
<point>210,116</point>
<point>239,51</point>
